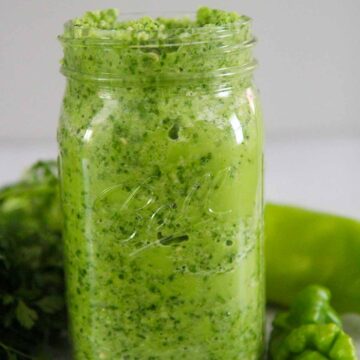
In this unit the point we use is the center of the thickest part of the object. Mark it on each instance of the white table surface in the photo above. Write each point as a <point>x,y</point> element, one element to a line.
<point>323,174</point>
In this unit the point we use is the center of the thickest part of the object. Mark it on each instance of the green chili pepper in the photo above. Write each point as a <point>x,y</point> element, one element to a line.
<point>306,247</point>
<point>310,330</point>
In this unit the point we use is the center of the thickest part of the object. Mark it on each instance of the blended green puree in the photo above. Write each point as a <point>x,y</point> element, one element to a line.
<point>161,172</point>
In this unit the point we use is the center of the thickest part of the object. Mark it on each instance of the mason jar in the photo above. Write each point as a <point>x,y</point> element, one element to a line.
<point>161,165</point>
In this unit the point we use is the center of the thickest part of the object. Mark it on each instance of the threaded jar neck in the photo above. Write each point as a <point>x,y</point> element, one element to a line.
<point>105,49</point>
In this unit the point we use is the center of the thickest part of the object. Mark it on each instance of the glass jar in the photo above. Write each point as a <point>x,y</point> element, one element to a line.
<point>162,177</point>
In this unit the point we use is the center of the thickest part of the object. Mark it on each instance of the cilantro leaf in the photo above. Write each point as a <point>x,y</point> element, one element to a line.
<point>31,265</point>
<point>25,315</point>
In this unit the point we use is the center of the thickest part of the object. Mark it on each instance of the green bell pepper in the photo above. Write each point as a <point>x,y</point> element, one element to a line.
<point>310,330</point>
<point>306,247</point>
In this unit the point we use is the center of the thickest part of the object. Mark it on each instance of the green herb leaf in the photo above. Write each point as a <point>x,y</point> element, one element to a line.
<point>51,304</point>
<point>7,299</point>
<point>31,265</point>
<point>25,315</point>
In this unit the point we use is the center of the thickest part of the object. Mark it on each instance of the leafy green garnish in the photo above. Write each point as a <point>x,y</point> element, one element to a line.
<point>25,315</point>
<point>31,267</point>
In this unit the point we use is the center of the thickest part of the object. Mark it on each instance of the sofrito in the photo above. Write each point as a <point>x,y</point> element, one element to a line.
<point>161,172</point>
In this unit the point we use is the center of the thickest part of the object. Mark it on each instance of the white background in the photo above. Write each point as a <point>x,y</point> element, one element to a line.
<point>309,77</point>
<point>309,54</point>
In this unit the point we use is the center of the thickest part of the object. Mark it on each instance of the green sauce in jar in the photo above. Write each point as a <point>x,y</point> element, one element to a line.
<point>161,171</point>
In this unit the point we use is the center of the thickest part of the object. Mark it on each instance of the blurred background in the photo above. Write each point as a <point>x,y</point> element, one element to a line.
<point>309,78</point>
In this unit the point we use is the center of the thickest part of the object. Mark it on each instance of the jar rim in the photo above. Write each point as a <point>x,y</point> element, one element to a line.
<point>110,37</point>
<point>105,46</point>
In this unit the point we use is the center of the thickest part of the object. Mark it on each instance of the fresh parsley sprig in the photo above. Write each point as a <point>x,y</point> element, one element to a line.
<point>32,309</point>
